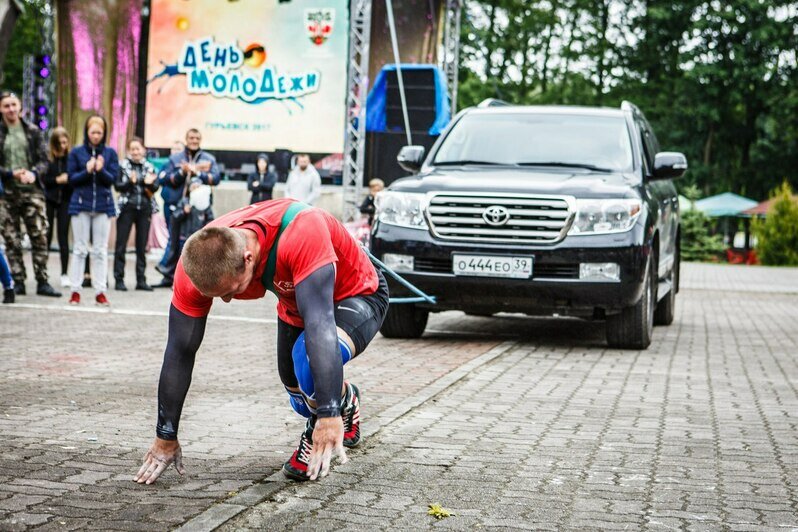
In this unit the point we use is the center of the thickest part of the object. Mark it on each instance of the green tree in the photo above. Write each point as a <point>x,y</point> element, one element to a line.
<point>697,244</point>
<point>717,80</point>
<point>25,39</point>
<point>777,235</point>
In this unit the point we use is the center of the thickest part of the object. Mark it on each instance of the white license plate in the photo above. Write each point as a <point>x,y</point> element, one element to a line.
<point>492,266</point>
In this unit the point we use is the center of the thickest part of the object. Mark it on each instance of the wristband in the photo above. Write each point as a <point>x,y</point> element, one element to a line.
<point>332,409</point>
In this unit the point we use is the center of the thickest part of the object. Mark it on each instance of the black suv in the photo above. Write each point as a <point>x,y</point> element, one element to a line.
<point>541,210</point>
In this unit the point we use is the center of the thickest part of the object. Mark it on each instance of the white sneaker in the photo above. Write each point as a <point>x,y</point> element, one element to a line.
<point>65,281</point>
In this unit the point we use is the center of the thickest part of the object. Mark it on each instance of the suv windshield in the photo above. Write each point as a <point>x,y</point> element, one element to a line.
<point>592,142</point>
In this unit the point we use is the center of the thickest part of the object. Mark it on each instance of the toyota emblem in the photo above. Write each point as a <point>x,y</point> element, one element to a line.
<point>496,215</point>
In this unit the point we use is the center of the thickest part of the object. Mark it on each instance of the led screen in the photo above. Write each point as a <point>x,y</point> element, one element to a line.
<point>251,75</point>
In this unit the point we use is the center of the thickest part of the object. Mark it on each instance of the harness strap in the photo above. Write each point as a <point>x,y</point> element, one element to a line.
<point>271,261</point>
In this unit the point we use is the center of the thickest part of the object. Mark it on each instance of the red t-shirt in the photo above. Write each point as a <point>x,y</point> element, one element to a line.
<point>312,240</point>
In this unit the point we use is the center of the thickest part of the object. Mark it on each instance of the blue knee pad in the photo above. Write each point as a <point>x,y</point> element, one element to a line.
<point>302,365</point>
<point>298,403</point>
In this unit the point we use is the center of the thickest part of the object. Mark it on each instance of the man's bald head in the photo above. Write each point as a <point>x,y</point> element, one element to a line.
<point>212,254</point>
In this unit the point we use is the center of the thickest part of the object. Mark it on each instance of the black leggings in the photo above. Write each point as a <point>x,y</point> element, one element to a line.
<point>59,212</point>
<point>128,218</point>
<point>360,317</point>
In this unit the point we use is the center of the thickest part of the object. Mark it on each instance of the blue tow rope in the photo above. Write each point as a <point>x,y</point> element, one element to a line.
<point>422,297</point>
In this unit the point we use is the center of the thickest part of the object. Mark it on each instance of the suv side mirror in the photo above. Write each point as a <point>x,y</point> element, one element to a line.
<point>669,165</point>
<point>410,158</point>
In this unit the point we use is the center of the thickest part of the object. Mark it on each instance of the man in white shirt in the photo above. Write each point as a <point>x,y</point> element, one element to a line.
<point>304,182</point>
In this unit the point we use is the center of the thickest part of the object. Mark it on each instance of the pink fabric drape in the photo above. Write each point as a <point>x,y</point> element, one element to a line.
<point>97,65</point>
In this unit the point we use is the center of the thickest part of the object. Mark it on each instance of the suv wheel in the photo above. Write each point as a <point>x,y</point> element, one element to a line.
<point>632,327</point>
<point>404,320</point>
<point>663,315</point>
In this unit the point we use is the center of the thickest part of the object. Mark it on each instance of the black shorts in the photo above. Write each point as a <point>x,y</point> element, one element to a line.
<point>359,316</point>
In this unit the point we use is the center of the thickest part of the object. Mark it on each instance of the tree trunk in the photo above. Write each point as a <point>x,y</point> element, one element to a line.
<point>708,144</point>
<point>604,15</point>
<point>544,73</point>
<point>9,13</point>
<point>489,41</point>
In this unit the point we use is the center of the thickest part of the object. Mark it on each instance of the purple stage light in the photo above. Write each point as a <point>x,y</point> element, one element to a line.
<point>42,110</point>
<point>44,72</point>
<point>46,60</point>
<point>43,124</point>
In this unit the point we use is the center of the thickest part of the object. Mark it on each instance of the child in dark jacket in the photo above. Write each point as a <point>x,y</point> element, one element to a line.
<point>193,212</point>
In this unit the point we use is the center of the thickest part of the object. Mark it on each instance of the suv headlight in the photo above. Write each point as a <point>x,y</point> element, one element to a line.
<point>605,215</point>
<point>401,208</point>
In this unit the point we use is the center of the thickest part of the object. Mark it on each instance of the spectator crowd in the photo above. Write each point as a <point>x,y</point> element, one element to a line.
<point>48,188</point>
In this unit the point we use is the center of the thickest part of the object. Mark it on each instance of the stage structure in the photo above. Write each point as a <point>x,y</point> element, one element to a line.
<point>102,52</point>
<point>357,89</point>
<point>38,74</point>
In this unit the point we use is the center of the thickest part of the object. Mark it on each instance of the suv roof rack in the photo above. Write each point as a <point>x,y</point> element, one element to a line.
<point>492,102</point>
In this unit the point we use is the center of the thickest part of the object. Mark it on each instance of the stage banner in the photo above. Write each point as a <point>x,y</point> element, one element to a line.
<point>251,75</point>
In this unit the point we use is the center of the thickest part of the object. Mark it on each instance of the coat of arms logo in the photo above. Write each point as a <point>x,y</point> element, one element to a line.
<point>319,24</point>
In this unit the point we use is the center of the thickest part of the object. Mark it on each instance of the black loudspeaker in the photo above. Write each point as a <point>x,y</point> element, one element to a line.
<point>382,147</point>
<point>381,152</point>
<point>420,94</point>
<point>281,159</point>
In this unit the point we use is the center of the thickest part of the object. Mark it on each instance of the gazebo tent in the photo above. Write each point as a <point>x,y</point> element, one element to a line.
<point>762,209</point>
<point>728,205</point>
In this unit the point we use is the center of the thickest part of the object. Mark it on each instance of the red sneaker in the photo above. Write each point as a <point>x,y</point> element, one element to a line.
<point>75,299</point>
<point>297,467</point>
<point>102,300</point>
<point>350,413</point>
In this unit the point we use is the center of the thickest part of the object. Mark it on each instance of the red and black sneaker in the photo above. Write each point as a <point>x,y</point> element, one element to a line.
<point>297,467</point>
<point>351,416</point>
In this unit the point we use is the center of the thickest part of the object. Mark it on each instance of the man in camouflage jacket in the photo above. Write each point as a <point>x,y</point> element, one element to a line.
<point>23,160</point>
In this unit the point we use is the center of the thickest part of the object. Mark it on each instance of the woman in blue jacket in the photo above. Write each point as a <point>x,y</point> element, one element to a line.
<point>92,168</point>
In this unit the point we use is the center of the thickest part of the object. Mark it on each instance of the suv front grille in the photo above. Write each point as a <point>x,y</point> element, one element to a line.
<point>514,218</point>
<point>539,270</point>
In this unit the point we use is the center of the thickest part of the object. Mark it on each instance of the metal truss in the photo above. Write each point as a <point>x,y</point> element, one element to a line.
<point>48,49</point>
<point>450,59</point>
<point>34,88</point>
<point>357,90</point>
<point>28,88</point>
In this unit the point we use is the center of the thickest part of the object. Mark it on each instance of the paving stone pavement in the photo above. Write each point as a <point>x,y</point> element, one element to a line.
<point>699,432</point>
<point>509,422</point>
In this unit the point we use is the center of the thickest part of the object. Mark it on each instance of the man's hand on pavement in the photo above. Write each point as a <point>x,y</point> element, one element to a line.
<point>161,455</point>
<point>328,440</point>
